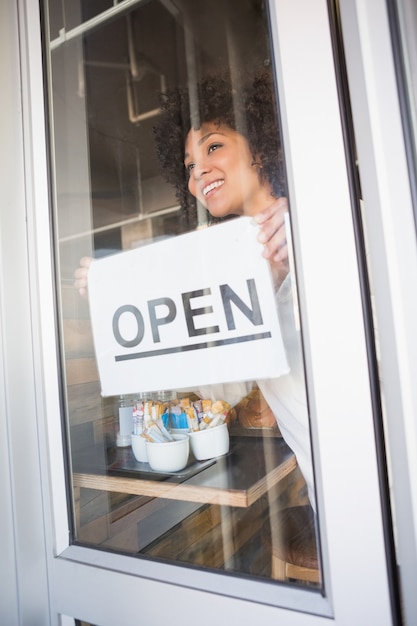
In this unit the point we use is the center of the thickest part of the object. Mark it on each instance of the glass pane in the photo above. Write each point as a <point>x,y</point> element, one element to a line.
<point>185,401</point>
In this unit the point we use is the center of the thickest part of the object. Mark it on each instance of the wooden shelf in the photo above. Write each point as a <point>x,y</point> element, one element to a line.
<point>238,479</point>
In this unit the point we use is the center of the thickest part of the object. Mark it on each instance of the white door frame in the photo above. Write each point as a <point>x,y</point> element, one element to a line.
<point>391,233</point>
<point>24,585</point>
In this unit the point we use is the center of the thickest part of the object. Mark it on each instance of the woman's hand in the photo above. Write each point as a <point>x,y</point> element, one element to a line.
<point>81,275</point>
<point>272,235</point>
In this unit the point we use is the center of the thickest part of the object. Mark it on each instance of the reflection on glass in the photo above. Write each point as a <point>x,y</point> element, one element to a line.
<point>162,133</point>
<point>407,19</point>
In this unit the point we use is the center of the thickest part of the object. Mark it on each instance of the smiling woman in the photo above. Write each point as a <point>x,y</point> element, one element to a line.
<point>222,149</point>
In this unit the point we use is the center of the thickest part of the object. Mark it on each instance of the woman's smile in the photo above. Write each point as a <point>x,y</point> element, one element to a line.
<point>221,172</point>
<point>211,186</point>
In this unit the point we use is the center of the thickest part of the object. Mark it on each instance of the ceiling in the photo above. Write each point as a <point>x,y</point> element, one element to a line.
<point>139,49</point>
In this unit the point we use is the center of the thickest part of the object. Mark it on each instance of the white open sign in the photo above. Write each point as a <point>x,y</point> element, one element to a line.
<point>192,310</point>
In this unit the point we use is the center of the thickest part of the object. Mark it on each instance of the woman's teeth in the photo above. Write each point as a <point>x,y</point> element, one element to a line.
<point>217,183</point>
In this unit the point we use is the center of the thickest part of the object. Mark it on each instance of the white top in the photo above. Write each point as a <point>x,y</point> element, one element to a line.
<point>285,395</point>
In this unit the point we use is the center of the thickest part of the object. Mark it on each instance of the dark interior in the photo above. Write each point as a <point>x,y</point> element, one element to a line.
<point>127,60</point>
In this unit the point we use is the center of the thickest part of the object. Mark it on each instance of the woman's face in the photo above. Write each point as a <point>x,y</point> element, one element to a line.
<point>222,172</point>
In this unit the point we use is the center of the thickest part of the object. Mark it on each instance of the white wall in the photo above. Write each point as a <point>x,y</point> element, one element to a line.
<point>23,578</point>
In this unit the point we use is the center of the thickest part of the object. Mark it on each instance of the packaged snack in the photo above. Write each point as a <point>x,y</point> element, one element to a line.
<point>206,406</point>
<point>185,403</point>
<point>192,419</point>
<point>220,406</point>
<point>216,421</point>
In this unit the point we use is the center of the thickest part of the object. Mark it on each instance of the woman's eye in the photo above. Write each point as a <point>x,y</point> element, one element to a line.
<point>189,167</point>
<point>214,146</point>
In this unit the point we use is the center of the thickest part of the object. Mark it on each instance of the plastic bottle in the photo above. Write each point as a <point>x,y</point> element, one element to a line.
<point>125,421</point>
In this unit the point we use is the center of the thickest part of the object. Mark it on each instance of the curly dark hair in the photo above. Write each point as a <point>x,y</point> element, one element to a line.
<point>250,110</point>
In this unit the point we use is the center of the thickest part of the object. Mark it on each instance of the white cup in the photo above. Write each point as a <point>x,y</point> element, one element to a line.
<point>139,448</point>
<point>210,442</point>
<point>169,456</point>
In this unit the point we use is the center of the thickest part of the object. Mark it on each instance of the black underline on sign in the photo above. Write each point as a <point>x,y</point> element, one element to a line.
<point>194,346</point>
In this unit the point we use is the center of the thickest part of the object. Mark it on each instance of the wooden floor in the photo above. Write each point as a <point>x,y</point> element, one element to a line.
<point>216,537</point>
<point>227,538</point>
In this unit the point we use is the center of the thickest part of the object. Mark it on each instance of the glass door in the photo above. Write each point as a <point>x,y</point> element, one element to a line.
<point>207,287</point>
<point>165,149</point>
